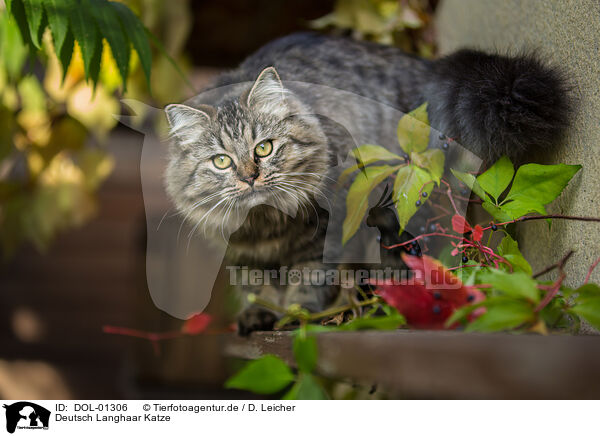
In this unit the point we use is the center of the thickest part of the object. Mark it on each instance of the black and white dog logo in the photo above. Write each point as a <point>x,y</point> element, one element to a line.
<point>26,415</point>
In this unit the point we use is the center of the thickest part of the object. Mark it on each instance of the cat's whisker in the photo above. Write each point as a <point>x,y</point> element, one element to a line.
<point>195,206</point>
<point>205,216</point>
<point>315,210</point>
<point>295,197</point>
<point>316,190</point>
<point>163,218</point>
<point>225,217</point>
<point>311,174</point>
<point>279,201</point>
<point>306,182</point>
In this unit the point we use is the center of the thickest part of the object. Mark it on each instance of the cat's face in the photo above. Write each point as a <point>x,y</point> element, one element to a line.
<point>261,147</point>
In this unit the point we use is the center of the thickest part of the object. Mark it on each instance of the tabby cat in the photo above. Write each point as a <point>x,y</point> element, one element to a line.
<point>259,150</point>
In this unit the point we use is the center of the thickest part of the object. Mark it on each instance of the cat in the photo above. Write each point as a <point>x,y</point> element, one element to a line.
<point>262,148</point>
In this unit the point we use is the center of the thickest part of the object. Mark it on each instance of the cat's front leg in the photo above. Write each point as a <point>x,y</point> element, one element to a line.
<point>312,285</point>
<point>254,317</point>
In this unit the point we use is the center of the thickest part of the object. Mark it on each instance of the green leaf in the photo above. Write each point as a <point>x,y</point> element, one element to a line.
<point>518,208</point>
<point>266,375</point>
<point>94,72</point>
<point>357,200</point>
<point>13,51</point>
<point>517,284</point>
<point>66,53</point>
<point>432,161</point>
<point>368,154</point>
<point>390,322</point>
<point>461,313</point>
<point>410,180</point>
<point>541,183</point>
<point>497,213</point>
<point>110,27</point>
<point>504,315</point>
<point>137,35</point>
<point>18,13</point>
<point>589,290</point>
<point>553,314</point>
<point>58,21</point>
<point>509,249</point>
<point>413,130</point>
<point>589,309</point>
<point>34,11</point>
<point>305,351</point>
<point>497,178</point>
<point>307,388</point>
<point>471,182</point>
<point>85,32</point>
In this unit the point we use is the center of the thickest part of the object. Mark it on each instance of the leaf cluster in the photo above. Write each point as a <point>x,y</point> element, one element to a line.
<point>415,174</point>
<point>87,23</point>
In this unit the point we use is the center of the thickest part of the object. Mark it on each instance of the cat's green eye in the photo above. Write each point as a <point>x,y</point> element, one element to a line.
<point>222,161</point>
<point>264,149</point>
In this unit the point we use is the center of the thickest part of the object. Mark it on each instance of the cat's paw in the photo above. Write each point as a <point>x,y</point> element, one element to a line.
<point>255,319</point>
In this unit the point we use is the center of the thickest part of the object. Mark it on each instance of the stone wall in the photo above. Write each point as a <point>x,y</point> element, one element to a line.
<point>567,33</point>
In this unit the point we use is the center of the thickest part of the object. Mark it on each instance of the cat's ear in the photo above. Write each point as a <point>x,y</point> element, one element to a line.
<point>182,117</point>
<point>266,91</point>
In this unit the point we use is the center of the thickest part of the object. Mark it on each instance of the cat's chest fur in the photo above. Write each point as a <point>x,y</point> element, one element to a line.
<point>270,237</point>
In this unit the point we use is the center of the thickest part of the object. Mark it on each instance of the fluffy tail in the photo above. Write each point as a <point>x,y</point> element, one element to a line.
<point>496,105</point>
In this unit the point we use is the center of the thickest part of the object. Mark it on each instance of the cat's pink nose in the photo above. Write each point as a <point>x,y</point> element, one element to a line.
<point>250,180</point>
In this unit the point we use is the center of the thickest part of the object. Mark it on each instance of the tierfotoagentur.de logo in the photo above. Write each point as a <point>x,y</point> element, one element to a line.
<point>26,415</point>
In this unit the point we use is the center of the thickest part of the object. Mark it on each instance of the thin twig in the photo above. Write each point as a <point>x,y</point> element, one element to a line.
<point>591,270</point>
<point>558,264</point>
<point>555,287</point>
<point>301,314</point>
<point>543,217</point>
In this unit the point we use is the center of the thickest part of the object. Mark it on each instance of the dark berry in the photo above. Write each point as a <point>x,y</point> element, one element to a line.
<point>378,238</point>
<point>442,136</point>
<point>446,146</point>
<point>494,227</point>
<point>418,203</point>
<point>413,252</point>
<point>465,259</point>
<point>432,227</point>
<point>405,156</point>
<point>422,229</point>
<point>437,295</point>
<point>424,194</point>
<point>436,309</point>
<point>470,298</point>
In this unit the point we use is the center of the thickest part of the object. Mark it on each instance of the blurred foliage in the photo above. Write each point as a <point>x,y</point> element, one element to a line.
<point>54,122</point>
<point>407,24</point>
<point>88,23</point>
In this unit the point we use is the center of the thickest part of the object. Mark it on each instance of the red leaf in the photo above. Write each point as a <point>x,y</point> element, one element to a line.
<point>477,233</point>
<point>420,306</point>
<point>460,224</point>
<point>436,277</point>
<point>196,324</point>
<point>433,295</point>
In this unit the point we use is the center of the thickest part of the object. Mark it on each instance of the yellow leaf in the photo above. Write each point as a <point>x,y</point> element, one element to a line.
<point>357,200</point>
<point>411,181</point>
<point>413,130</point>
